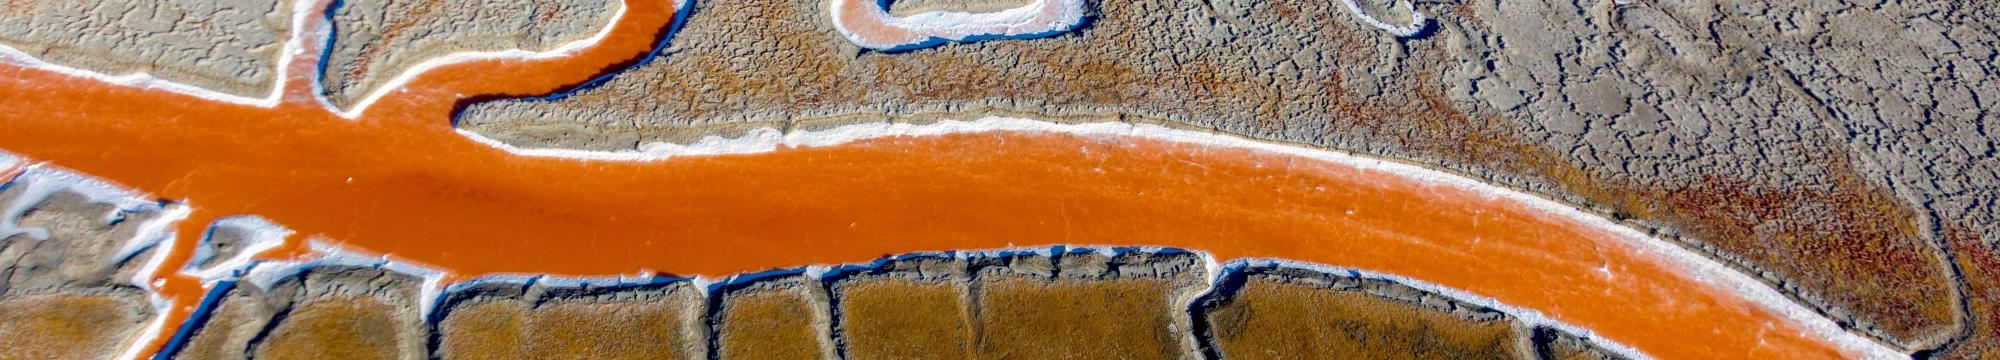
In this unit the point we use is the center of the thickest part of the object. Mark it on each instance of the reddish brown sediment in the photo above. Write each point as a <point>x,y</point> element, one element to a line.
<point>860,19</point>
<point>66,325</point>
<point>398,180</point>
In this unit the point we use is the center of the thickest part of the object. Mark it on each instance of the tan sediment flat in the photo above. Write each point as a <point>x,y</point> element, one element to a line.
<point>400,173</point>
<point>640,327</point>
<point>228,331</point>
<point>483,330</point>
<point>330,312</point>
<point>901,318</point>
<point>1023,318</point>
<point>68,326</point>
<point>773,320</point>
<point>338,329</point>
<point>1272,319</point>
<point>608,330</point>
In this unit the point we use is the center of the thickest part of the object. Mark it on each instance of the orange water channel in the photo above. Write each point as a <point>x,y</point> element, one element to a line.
<point>398,180</point>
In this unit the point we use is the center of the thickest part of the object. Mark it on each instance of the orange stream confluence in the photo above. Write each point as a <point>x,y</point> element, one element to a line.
<point>400,181</point>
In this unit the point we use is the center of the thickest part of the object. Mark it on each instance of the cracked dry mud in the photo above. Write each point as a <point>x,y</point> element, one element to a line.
<point>1800,142</point>
<point>64,296</point>
<point>375,40</point>
<point>229,46</point>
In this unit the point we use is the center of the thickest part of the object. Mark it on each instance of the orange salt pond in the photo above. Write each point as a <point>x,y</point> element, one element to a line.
<point>399,180</point>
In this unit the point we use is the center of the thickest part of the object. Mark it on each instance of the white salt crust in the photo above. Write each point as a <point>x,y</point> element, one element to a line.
<point>1696,266</point>
<point>8,162</point>
<point>396,84</point>
<point>929,27</point>
<point>37,182</point>
<point>259,235</point>
<point>1043,17</point>
<point>304,45</point>
<point>293,49</point>
<point>264,274</point>
<point>162,232</point>
<point>1416,26</point>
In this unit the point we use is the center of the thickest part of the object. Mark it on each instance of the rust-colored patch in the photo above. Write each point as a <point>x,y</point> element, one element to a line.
<point>228,331</point>
<point>643,328</point>
<point>1073,319</point>
<point>342,328</point>
<point>770,321</point>
<point>483,330</point>
<point>67,326</point>
<point>1979,265</point>
<point>900,318</point>
<point>1269,319</point>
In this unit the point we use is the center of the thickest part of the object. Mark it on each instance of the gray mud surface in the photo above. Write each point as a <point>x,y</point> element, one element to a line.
<point>69,296</point>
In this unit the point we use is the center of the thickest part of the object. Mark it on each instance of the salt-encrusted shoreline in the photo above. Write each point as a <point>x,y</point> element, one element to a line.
<point>38,182</point>
<point>1696,266</point>
<point>1418,20</point>
<point>293,48</point>
<point>306,41</point>
<point>867,24</point>
<point>260,235</point>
